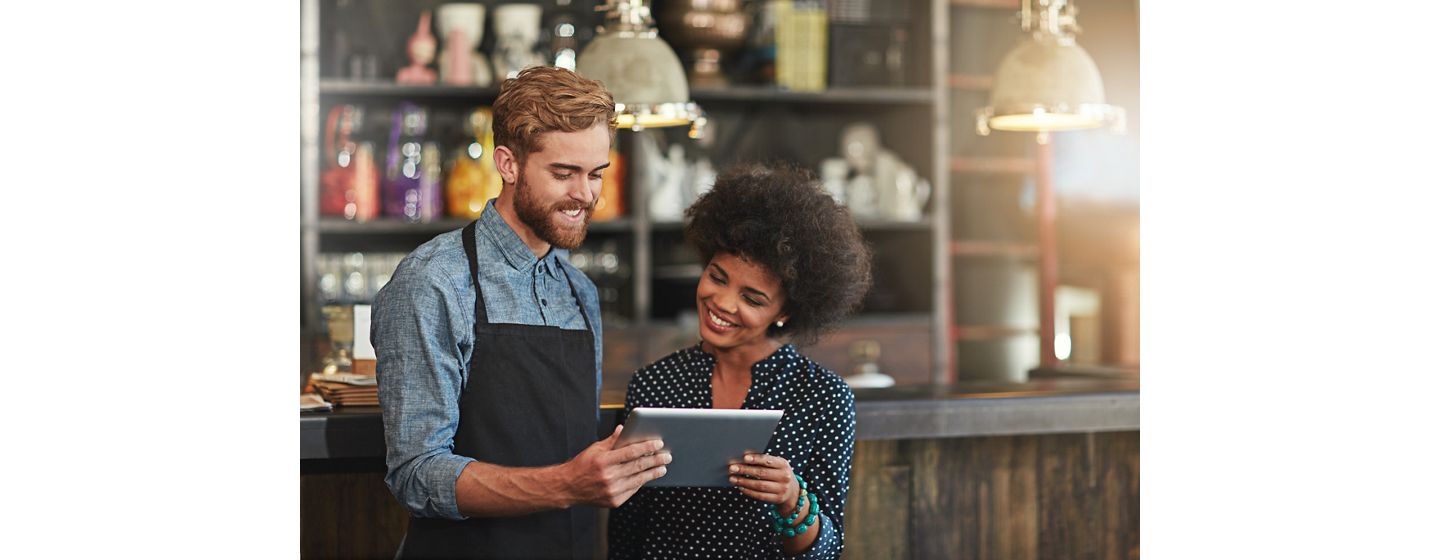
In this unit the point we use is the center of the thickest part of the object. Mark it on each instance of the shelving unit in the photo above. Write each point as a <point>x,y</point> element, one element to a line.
<point>911,256</point>
<point>976,244</point>
<point>989,257</point>
<point>995,251</point>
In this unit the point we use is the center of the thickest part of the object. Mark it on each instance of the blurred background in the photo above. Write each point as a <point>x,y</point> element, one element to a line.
<point>878,98</point>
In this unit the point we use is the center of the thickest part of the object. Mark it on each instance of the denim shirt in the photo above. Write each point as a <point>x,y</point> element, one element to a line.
<point>422,328</point>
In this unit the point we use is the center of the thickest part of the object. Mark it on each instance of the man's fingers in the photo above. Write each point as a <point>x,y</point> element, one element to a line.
<point>632,483</point>
<point>650,461</point>
<point>636,450</point>
<point>614,436</point>
<point>624,496</point>
<point>640,478</point>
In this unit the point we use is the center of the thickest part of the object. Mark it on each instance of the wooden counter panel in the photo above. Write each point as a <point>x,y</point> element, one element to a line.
<point>347,512</point>
<point>1003,498</point>
<point>1022,497</point>
<point>885,489</point>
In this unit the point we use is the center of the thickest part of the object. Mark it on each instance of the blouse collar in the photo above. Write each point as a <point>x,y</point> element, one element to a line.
<point>778,365</point>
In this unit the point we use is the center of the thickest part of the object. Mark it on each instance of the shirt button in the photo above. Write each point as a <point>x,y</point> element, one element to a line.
<point>543,302</point>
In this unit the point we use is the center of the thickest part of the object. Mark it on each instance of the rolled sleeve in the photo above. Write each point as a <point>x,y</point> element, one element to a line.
<point>827,545</point>
<point>829,476</point>
<point>420,331</point>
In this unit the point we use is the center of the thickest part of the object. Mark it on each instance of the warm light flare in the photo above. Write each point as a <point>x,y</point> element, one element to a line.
<point>1043,121</point>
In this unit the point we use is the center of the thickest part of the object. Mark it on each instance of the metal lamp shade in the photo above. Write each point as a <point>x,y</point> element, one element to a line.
<point>1047,84</point>
<point>644,75</point>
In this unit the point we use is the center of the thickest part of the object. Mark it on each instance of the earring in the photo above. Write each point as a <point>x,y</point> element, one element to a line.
<point>780,323</point>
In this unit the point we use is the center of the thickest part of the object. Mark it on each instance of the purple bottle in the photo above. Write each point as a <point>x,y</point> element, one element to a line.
<point>412,184</point>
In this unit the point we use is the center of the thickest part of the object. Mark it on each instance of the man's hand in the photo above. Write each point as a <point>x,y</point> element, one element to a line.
<point>605,476</point>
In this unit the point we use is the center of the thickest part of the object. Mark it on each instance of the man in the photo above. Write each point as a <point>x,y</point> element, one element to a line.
<point>488,349</point>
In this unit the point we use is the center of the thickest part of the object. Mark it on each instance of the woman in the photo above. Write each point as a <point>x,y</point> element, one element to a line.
<point>783,263</point>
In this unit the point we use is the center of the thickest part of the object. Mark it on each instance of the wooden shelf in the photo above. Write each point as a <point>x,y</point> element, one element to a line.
<point>992,249</point>
<point>865,225</point>
<point>990,164</point>
<point>998,4</point>
<point>338,226</point>
<point>856,321</point>
<point>970,82</point>
<point>867,95</point>
<point>390,89</point>
<point>738,94</point>
<point>988,332</point>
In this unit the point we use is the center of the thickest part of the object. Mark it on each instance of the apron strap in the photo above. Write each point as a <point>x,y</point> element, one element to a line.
<point>467,238</point>
<point>576,295</point>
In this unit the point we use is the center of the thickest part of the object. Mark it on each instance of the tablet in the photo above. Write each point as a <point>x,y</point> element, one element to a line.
<point>702,441</point>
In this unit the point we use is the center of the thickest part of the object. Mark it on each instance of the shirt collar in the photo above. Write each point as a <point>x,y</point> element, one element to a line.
<point>772,368</point>
<point>517,254</point>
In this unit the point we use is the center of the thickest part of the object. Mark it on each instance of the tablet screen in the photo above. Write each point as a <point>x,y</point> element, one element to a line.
<point>702,442</point>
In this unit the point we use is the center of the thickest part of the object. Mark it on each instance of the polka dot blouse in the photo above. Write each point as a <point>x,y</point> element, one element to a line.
<point>816,435</point>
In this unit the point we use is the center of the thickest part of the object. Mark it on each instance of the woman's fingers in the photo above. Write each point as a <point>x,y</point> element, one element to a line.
<point>764,466</point>
<point>770,461</point>
<point>763,477</point>
<point>761,496</point>
<point>763,473</point>
<point>758,485</point>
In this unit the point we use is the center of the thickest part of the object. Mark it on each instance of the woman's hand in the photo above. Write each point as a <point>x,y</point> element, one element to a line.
<point>770,480</point>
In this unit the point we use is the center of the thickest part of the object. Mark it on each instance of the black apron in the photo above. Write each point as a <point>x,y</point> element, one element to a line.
<point>529,401</point>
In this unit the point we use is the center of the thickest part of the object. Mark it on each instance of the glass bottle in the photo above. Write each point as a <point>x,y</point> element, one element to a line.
<point>473,179</point>
<point>412,185</point>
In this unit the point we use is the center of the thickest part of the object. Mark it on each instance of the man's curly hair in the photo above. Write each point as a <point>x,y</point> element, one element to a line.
<point>781,218</point>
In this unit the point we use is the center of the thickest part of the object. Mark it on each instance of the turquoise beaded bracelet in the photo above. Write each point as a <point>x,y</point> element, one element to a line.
<point>783,526</point>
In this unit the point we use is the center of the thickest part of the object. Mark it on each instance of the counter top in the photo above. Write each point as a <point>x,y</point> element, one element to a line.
<point>907,412</point>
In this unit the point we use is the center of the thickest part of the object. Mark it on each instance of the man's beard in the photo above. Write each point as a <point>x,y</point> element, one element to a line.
<point>541,219</point>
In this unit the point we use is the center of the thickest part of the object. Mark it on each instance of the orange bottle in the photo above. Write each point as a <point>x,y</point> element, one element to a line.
<point>612,190</point>
<point>473,179</point>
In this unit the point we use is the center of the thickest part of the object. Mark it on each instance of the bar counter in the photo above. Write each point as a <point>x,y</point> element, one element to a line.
<point>1044,469</point>
<point>909,412</point>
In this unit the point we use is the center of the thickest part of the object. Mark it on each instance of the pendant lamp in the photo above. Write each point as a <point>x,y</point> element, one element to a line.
<point>1048,83</point>
<point>641,71</point>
